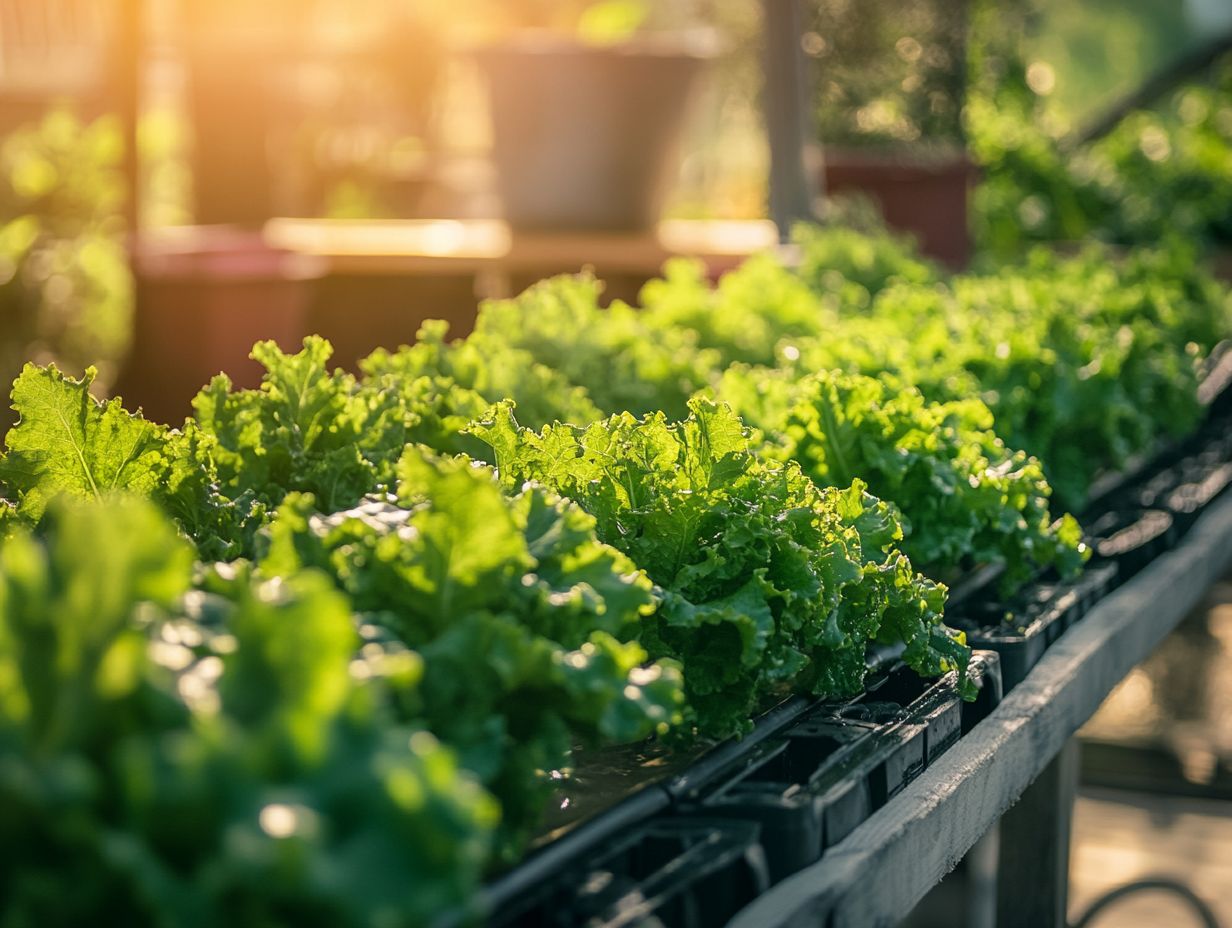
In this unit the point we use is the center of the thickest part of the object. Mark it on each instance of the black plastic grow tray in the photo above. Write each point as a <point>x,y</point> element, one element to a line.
<point>1022,629</point>
<point>1186,488</point>
<point>804,778</point>
<point>1130,539</point>
<point>645,794</point>
<point>614,786</point>
<point>1111,489</point>
<point>668,871</point>
<point>811,785</point>
<point>1215,393</point>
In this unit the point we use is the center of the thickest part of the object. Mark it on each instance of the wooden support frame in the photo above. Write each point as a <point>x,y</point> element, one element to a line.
<point>883,868</point>
<point>1033,847</point>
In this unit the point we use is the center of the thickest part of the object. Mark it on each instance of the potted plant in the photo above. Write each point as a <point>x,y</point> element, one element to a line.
<point>890,84</point>
<point>588,101</point>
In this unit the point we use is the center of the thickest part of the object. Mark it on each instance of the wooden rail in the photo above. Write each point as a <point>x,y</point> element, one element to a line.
<point>878,873</point>
<point>428,246</point>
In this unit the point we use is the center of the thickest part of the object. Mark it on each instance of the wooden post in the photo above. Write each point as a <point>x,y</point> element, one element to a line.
<point>1033,863</point>
<point>233,52</point>
<point>793,182</point>
<point>126,75</point>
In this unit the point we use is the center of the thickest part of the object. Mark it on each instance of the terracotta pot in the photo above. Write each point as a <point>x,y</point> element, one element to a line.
<point>204,297</point>
<point>587,137</point>
<point>926,197</point>
<point>1221,263</point>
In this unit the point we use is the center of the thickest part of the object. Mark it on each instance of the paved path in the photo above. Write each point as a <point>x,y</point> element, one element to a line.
<point>1179,700</point>
<point>1120,836</point>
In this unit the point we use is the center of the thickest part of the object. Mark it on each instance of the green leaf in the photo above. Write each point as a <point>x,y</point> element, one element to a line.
<point>525,622</point>
<point>963,497</point>
<point>767,582</point>
<point>68,442</point>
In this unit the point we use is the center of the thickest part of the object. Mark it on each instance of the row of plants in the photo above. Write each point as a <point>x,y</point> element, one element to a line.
<point>320,654</point>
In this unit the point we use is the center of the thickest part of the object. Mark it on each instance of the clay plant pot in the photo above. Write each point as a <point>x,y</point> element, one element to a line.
<point>204,297</point>
<point>925,196</point>
<point>1221,263</point>
<point>587,137</point>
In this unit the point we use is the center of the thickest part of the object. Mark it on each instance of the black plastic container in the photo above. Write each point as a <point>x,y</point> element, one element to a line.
<point>569,846</point>
<point>814,783</point>
<point>1113,490</point>
<point>800,782</point>
<point>673,872</point>
<point>1110,490</point>
<point>1200,487</point>
<point>1131,539</point>
<point>1185,489</point>
<point>1096,582</point>
<point>1021,630</point>
<point>1020,646</point>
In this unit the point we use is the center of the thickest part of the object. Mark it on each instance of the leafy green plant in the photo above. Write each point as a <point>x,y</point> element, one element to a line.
<point>768,584</point>
<point>1163,172</point>
<point>65,287</point>
<point>306,428</point>
<point>745,317</point>
<point>169,763</point>
<point>1084,361</point>
<point>964,498</point>
<point>488,370</point>
<point>527,626</point>
<point>69,443</point>
<point>763,307</point>
<point>623,363</point>
<point>833,258</point>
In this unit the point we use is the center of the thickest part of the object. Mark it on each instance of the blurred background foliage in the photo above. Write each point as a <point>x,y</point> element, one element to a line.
<point>65,287</point>
<point>888,73</point>
<point>376,132</point>
<point>1042,70</point>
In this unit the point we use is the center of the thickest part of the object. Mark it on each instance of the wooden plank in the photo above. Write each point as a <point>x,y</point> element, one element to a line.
<point>476,246</point>
<point>885,866</point>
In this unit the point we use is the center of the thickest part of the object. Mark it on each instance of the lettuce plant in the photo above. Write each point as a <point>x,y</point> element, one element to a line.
<point>767,583</point>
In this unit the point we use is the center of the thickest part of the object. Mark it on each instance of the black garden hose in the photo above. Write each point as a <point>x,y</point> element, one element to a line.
<point>1148,884</point>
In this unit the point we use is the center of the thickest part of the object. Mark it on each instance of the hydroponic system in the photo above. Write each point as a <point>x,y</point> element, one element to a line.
<point>595,616</point>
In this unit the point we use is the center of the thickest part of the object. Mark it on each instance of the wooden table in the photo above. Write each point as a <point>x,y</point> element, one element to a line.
<point>490,247</point>
<point>384,278</point>
<point>1016,768</point>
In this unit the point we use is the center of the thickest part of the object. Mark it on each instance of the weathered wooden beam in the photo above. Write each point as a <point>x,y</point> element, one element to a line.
<point>884,867</point>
